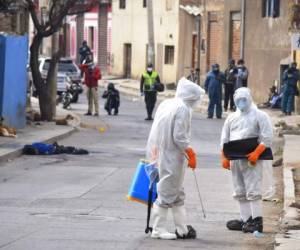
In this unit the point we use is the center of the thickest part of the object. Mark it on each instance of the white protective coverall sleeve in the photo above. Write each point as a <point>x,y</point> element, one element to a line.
<point>169,137</point>
<point>247,181</point>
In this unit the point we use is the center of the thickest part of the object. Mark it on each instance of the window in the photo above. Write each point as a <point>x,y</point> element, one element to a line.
<point>169,54</point>
<point>144,3</point>
<point>169,4</point>
<point>122,4</point>
<point>270,8</point>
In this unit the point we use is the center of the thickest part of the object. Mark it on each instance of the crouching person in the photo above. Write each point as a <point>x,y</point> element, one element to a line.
<point>112,99</point>
<point>247,122</point>
<point>169,145</point>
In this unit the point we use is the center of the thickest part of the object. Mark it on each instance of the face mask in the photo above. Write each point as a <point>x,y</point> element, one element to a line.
<point>242,105</point>
<point>216,70</point>
<point>149,69</point>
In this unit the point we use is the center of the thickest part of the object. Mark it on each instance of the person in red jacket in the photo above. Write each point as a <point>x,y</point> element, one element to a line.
<point>92,74</point>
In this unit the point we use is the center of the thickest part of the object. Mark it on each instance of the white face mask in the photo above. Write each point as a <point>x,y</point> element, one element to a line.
<point>149,69</point>
<point>242,104</point>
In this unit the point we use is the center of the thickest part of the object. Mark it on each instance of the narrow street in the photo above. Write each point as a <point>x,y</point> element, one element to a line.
<point>79,202</point>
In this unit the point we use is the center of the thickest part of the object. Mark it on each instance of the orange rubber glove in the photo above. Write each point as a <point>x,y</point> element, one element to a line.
<point>225,162</point>
<point>192,158</point>
<point>253,157</point>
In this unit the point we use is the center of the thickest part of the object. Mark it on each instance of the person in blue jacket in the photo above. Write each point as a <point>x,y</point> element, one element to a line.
<point>290,78</point>
<point>213,86</point>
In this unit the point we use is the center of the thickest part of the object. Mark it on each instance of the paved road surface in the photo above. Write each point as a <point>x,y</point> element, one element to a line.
<point>78,202</point>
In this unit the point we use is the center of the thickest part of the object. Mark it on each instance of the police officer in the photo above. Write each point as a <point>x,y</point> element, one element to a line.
<point>148,80</point>
<point>230,75</point>
<point>290,78</point>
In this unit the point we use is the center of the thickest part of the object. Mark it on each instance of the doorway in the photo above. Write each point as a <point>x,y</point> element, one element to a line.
<point>127,60</point>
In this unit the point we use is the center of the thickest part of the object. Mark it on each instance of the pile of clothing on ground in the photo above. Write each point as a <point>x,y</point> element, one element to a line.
<point>40,148</point>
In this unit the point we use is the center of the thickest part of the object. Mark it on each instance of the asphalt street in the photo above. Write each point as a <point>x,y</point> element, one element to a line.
<point>79,202</point>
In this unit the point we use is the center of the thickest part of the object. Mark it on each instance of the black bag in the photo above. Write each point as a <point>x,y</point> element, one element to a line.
<point>239,149</point>
<point>159,87</point>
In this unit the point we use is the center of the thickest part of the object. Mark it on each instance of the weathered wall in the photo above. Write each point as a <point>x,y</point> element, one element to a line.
<point>130,26</point>
<point>267,42</point>
<point>211,6</point>
<point>186,28</point>
<point>229,7</point>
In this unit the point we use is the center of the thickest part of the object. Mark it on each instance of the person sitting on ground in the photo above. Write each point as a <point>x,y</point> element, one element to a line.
<point>112,99</point>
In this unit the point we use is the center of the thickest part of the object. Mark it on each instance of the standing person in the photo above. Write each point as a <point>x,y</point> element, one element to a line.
<point>213,86</point>
<point>148,80</point>
<point>169,145</point>
<point>290,78</point>
<point>242,75</point>
<point>230,76</point>
<point>247,174</point>
<point>92,74</point>
<point>84,51</point>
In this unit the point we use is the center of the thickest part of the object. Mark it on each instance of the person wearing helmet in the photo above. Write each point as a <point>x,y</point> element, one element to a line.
<point>230,75</point>
<point>290,78</point>
<point>245,123</point>
<point>169,146</point>
<point>213,86</point>
<point>147,87</point>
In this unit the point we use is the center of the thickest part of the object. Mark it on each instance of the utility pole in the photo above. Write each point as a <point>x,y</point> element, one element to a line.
<point>151,43</point>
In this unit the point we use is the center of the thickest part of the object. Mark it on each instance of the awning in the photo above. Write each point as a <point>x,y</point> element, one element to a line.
<point>192,9</point>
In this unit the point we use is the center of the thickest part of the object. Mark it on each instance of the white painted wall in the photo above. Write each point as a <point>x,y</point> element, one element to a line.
<point>130,26</point>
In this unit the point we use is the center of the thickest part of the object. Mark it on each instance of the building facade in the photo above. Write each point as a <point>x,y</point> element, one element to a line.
<point>130,38</point>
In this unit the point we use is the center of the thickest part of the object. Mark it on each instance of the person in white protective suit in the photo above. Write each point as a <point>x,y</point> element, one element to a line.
<point>247,122</point>
<point>169,145</point>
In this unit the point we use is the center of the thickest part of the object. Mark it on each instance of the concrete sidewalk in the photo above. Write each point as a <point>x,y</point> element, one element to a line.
<point>289,239</point>
<point>48,132</point>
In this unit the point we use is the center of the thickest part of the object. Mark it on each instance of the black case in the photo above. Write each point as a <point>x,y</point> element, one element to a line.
<point>239,149</point>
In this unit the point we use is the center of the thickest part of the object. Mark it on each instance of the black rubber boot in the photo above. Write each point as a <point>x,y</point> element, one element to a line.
<point>237,225</point>
<point>192,234</point>
<point>253,225</point>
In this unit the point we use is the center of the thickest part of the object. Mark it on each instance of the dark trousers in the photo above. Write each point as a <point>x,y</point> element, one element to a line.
<point>150,100</point>
<point>112,103</point>
<point>287,104</point>
<point>229,91</point>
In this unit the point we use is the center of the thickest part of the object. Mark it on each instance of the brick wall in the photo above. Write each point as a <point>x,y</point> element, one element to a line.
<point>214,38</point>
<point>235,39</point>
<point>102,38</point>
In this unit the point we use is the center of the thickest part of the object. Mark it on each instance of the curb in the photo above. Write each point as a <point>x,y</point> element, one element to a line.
<point>18,152</point>
<point>284,240</point>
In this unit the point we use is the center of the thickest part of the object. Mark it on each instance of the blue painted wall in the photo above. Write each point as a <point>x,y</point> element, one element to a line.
<point>13,79</point>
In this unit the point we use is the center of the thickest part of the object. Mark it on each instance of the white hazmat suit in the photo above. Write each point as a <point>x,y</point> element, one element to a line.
<point>169,138</point>
<point>247,122</point>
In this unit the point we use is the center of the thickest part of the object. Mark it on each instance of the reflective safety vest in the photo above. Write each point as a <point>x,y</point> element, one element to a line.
<point>149,80</point>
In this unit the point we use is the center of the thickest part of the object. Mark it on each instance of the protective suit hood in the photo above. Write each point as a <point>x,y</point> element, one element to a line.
<point>243,94</point>
<point>189,92</point>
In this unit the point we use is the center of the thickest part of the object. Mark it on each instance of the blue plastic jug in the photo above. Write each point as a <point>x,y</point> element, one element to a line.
<point>140,185</point>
